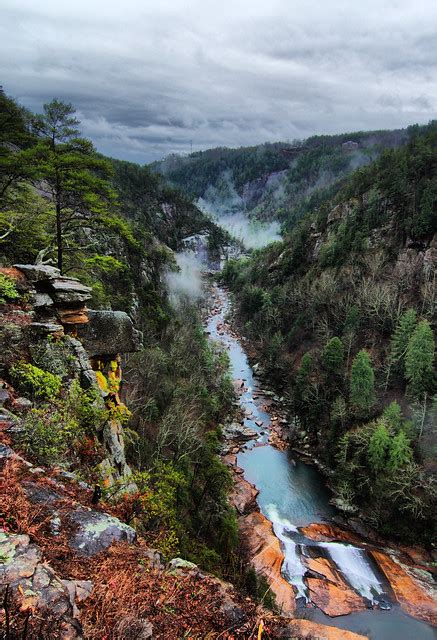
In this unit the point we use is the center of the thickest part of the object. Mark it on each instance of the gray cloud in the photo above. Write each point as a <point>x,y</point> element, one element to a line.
<point>147,78</point>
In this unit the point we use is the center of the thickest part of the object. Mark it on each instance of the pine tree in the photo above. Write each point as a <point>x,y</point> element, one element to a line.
<point>76,177</point>
<point>362,382</point>
<point>400,452</point>
<point>333,355</point>
<point>379,445</point>
<point>419,361</point>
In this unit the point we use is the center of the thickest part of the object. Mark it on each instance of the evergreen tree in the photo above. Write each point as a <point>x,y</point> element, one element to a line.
<point>401,336</point>
<point>77,178</point>
<point>400,452</point>
<point>419,360</point>
<point>333,355</point>
<point>362,382</point>
<point>304,372</point>
<point>379,445</point>
<point>393,416</point>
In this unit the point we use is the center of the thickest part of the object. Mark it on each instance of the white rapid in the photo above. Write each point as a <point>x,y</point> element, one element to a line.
<point>355,567</point>
<point>293,569</point>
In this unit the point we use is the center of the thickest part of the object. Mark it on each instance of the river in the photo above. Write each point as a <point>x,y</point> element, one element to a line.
<point>292,495</point>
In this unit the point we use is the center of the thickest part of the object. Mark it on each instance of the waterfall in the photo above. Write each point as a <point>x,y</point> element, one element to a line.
<point>356,568</point>
<point>293,569</point>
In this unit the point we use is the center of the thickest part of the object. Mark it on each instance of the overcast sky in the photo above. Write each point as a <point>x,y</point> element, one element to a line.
<point>147,77</point>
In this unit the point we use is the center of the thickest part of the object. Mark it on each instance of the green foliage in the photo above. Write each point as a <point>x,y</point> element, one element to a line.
<point>362,382</point>
<point>252,300</point>
<point>54,432</point>
<point>379,445</point>
<point>392,414</point>
<point>401,453</point>
<point>419,360</point>
<point>32,380</point>
<point>77,177</point>
<point>305,369</point>
<point>333,356</point>
<point>401,337</point>
<point>8,292</point>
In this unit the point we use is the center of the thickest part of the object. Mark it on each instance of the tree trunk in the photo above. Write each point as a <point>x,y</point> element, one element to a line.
<point>59,236</point>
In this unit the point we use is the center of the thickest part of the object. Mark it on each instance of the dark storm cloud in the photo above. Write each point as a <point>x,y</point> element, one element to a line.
<point>147,78</point>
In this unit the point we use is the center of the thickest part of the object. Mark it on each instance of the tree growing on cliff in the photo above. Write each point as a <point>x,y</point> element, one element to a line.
<point>76,177</point>
<point>362,382</point>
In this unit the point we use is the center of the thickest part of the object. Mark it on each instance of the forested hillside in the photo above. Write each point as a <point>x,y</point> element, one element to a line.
<point>341,314</point>
<point>113,225</point>
<point>278,181</point>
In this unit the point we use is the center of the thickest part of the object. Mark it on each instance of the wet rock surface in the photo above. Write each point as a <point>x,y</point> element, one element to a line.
<point>243,496</point>
<point>266,557</point>
<point>418,598</point>
<point>314,631</point>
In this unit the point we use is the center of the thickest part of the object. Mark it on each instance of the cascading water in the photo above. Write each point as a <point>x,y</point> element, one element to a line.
<point>293,569</point>
<point>355,567</point>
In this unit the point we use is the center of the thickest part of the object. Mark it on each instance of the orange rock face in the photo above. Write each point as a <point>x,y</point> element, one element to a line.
<point>311,630</point>
<point>330,592</point>
<point>266,558</point>
<point>334,599</point>
<point>73,316</point>
<point>411,595</point>
<point>324,532</point>
<point>243,496</point>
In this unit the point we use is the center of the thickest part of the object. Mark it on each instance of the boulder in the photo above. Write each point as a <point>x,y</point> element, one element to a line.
<point>417,596</point>
<point>38,272</point>
<point>239,432</point>
<point>35,585</point>
<point>243,496</point>
<point>68,290</point>
<point>108,333</point>
<point>180,563</point>
<point>96,531</point>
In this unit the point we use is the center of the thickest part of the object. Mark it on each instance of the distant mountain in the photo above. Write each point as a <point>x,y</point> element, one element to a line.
<point>275,181</point>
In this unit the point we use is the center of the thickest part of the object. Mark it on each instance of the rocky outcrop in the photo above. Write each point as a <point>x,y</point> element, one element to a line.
<point>325,532</point>
<point>96,531</point>
<point>266,557</point>
<point>83,343</point>
<point>417,598</point>
<point>243,496</point>
<point>312,630</point>
<point>329,592</point>
<point>108,333</point>
<point>34,584</point>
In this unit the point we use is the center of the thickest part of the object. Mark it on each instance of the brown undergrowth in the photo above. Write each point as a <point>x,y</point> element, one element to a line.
<point>129,593</point>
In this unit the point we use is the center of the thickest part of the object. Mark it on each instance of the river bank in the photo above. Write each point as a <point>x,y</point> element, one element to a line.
<point>289,529</point>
